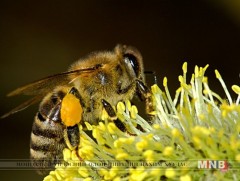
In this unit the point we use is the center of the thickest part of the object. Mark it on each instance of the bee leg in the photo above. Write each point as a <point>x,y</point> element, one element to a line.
<point>109,109</point>
<point>72,137</point>
<point>76,93</point>
<point>144,94</point>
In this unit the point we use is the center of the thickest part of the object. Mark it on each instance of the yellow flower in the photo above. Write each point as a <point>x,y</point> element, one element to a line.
<point>170,173</point>
<point>168,151</point>
<point>195,124</point>
<point>185,178</point>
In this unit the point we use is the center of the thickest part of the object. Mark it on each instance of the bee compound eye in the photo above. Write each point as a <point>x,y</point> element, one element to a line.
<point>131,60</point>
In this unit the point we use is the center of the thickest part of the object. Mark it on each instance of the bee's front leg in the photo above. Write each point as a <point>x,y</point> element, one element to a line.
<point>109,109</point>
<point>144,94</point>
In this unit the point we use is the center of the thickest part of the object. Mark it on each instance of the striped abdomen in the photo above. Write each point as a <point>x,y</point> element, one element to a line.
<point>47,141</point>
<point>46,144</point>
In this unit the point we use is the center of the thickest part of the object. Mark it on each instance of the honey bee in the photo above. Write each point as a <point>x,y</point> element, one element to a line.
<point>91,84</point>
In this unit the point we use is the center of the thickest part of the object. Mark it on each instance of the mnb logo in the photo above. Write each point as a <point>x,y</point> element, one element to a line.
<point>213,164</point>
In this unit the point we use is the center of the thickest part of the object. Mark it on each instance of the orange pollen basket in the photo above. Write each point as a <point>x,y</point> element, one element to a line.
<point>71,111</point>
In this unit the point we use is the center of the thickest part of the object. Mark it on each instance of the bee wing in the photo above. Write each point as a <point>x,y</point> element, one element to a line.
<point>41,87</point>
<point>23,106</point>
<point>47,84</point>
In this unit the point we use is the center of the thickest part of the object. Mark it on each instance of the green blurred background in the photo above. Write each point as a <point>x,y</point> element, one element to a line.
<point>38,39</point>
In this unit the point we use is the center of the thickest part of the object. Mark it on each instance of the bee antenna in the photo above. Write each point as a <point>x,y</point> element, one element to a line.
<point>153,73</point>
